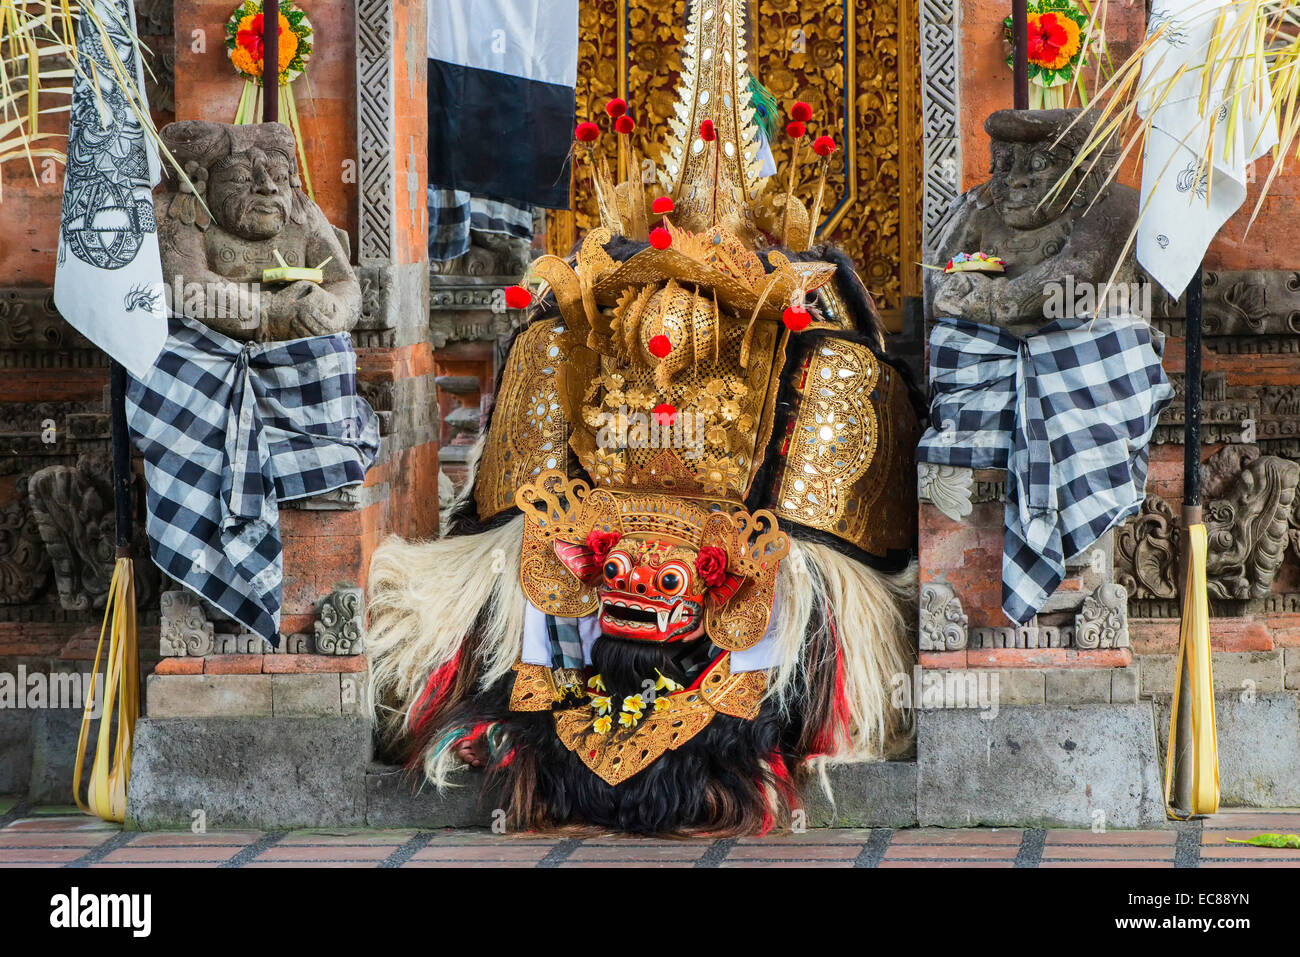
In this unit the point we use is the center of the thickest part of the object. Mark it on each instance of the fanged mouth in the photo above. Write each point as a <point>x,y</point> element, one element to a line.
<point>650,619</point>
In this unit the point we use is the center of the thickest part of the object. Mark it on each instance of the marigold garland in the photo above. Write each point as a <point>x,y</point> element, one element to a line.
<point>244,46</point>
<point>244,36</point>
<point>1059,45</point>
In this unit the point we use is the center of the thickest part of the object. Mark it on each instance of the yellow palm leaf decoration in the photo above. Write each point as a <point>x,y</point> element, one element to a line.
<point>38,63</point>
<point>1202,756</point>
<point>106,794</point>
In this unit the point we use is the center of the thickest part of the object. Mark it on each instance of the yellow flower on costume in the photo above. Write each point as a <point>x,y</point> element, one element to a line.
<point>601,703</point>
<point>629,719</point>
<point>664,683</point>
<point>661,703</point>
<point>634,702</point>
<point>597,682</point>
<point>603,724</point>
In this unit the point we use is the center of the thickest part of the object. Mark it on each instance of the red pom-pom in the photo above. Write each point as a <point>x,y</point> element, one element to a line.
<point>664,413</point>
<point>663,205</point>
<point>659,346</point>
<point>801,111</point>
<point>711,563</point>
<point>517,297</point>
<point>601,543</point>
<point>587,132</point>
<point>624,124</point>
<point>660,238</point>
<point>616,107</point>
<point>796,318</point>
<point>707,132</point>
<point>823,146</point>
<point>795,130</point>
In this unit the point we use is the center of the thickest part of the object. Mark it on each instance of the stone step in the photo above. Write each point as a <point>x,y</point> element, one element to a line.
<point>454,454</point>
<point>464,419</point>
<point>458,384</point>
<point>881,794</point>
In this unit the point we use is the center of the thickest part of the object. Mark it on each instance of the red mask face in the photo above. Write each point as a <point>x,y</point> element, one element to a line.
<point>650,591</point>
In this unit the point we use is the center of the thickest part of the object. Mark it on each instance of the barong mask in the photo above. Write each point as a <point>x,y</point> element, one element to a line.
<point>654,569</point>
<point>696,414</point>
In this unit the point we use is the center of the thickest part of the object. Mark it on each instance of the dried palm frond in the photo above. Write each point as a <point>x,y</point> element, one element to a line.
<point>38,67</point>
<point>1255,47</point>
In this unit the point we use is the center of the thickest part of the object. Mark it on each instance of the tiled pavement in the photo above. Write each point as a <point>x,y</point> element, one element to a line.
<point>58,837</point>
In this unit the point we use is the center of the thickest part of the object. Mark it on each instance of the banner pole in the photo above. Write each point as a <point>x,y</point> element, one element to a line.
<point>270,61</point>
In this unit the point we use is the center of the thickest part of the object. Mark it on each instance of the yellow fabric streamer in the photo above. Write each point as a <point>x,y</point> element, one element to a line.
<point>106,793</point>
<point>1194,648</point>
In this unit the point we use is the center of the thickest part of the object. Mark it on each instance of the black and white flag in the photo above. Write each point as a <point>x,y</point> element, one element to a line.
<point>108,282</point>
<point>502,75</point>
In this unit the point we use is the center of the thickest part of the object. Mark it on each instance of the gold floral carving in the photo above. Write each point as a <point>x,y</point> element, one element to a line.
<point>617,756</point>
<point>530,432</point>
<point>811,50</point>
<point>837,477</point>
<point>534,688</point>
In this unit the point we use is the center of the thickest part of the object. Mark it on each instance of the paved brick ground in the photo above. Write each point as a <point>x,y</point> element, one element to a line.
<point>58,837</point>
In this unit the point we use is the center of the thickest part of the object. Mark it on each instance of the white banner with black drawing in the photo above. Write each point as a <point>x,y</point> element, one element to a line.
<point>1185,201</point>
<point>108,282</point>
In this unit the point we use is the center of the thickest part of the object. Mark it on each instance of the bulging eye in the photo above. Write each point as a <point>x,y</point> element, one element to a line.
<point>617,565</point>
<point>672,581</point>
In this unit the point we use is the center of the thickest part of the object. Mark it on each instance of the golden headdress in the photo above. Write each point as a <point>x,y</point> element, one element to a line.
<point>672,373</point>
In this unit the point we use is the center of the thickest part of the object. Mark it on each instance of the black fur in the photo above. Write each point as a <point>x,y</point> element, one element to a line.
<point>716,782</point>
<point>676,794</point>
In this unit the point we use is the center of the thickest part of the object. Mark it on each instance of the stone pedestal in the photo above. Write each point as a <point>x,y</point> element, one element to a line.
<point>1080,766</point>
<point>249,772</point>
<point>282,738</point>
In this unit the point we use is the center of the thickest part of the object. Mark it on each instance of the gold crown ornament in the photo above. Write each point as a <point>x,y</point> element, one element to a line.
<point>694,375</point>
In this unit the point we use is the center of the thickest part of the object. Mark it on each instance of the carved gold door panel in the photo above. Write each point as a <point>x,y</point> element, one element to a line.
<point>855,63</point>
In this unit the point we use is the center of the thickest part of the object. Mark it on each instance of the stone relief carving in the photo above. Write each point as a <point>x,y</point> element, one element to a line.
<point>185,628</point>
<point>947,487</point>
<point>72,508</point>
<point>1251,515</point>
<point>189,630</point>
<point>490,254</point>
<point>61,527</point>
<point>376,168</point>
<point>940,92</point>
<point>340,624</point>
<point>943,623</point>
<point>1103,620</point>
<point>24,562</point>
<point>1023,636</point>
<point>1146,551</point>
<point>1248,529</point>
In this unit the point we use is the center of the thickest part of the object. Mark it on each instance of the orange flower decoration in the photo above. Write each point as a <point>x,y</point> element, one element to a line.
<point>1054,39</point>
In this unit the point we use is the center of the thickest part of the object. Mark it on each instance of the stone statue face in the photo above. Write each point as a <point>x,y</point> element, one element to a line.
<point>251,193</point>
<point>1023,173</point>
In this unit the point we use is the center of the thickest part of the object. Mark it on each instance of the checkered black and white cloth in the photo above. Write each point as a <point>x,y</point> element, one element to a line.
<point>1068,412</point>
<point>454,212</point>
<point>230,429</point>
